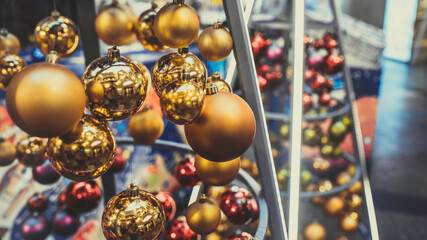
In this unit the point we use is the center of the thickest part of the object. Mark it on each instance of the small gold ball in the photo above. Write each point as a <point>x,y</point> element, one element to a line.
<point>203,217</point>
<point>10,65</point>
<point>9,43</point>
<point>31,151</point>
<point>7,153</point>
<point>145,32</point>
<point>216,173</point>
<point>215,43</point>
<point>146,126</point>
<point>314,231</point>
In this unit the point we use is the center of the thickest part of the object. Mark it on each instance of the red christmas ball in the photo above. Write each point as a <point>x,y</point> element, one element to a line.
<point>83,196</point>
<point>186,174</point>
<point>178,229</point>
<point>35,227</point>
<point>318,44</point>
<point>275,53</point>
<point>328,36</point>
<point>45,173</point>
<point>310,75</point>
<point>333,63</point>
<point>316,60</point>
<point>37,203</point>
<point>321,84</point>
<point>65,223</point>
<point>307,41</point>
<point>262,83</point>
<point>273,79</point>
<point>259,45</point>
<point>236,205</point>
<point>262,69</point>
<point>331,44</point>
<point>325,99</point>
<point>119,162</point>
<point>307,101</point>
<point>240,236</point>
<point>168,204</point>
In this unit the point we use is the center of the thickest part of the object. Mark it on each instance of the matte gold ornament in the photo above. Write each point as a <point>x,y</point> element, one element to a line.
<point>46,99</point>
<point>215,43</point>
<point>10,65</point>
<point>115,86</point>
<point>176,24</point>
<point>9,43</point>
<point>182,100</point>
<point>146,126</point>
<point>203,217</point>
<point>349,223</point>
<point>356,188</point>
<point>314,231</point>
<point>171,65</point>
<point>133,214</point>
<point>7,152</point>
<point>57,33</point>
<point>343,178</point>
<point>115,24</point>
<point>145,31</point>
<point>220,83</point>
<point>87,157</point>
<point>334,207</point>
<point>31,151</point>
<point>216,173</point>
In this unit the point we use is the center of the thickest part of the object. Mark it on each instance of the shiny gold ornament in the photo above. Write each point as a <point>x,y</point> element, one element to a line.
<point>225,128</point>
<point>31,151</point>
<point>324,186</point>
<point>356,188</point>
<point>176,25</point>
<point>213,236</point>
<point>215,43</point>
<point>116,87</point>
<point>9,43</point>
<point>349,223</point>
<point>220,83</point>
<point>354,203</point>
<point>115,24</point>
<point>343,178</point>
<point>170,67</point>
<point>334,207</point>
<point>145,31</point>
<point>202,216</point>
<point>182,101</point>
<point>87,157</point>
<point>216,173</point>
<point>7,152</point>
<point>146,72</point>
<point>45,99</point>
<point>146,126</point>
<point>133,214</point>
<point>57,33</point>
<point>314,231</point>
<point>320,165</point>
<point>10,65</point>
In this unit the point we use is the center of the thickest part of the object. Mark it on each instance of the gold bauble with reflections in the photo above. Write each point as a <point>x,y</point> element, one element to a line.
<point>145,31</point>
<point>216,173</point>
<point>215,43</point>
<point>10,64</point>
<point>57,33</point>
<point>7,152</point>
<point>349,223</point>
<point>115,86</point>
<point>203,216</point>
<point>31,151</point>
<point>133,214</point>
<point>146,126</point>
<point>115,24</point>
<point>170,66</point>
<point>176,24</point>
<point>314,231</point>
<point>87,157</point>
<point>219,82</point>
<point>9,43</point>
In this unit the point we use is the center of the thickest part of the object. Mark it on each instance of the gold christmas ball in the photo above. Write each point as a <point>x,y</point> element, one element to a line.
<point>320,165</point>
<point>354,203</point>
<point>216,173</point>
<point>213,236</point>
<point>176,25</point>
<point>145,31</point>
<point>115,86</point>
<point>349,223</point>
<point>9,43</point>
<point>57,33</point>
<point>215,43</point>
<point>10,65</point>
<point>203,217</point>
<point>7,152</point>
<point>225,128</point>
<point>146,126</point>
<point>324,185</point>
<point>314,231</point>
<point>356,188</point>
<point>31,151</point>
<point>343,178</point>
<point>334,207</point>
<point>87,157</point>
<point>170,67</point>
<point>220,83</point>
<point>115,24</point>
<point>146,72</point>
<point>133,214</point>
<point>45,99</point>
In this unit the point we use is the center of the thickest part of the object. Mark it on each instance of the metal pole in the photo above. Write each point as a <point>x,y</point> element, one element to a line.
<point>249,84</point>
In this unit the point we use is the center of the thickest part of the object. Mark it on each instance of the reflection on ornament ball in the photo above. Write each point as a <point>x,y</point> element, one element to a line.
<point>7,153</point>
<point>215,43</point>
<point>115,24</point>
<point>145,31</point>
<point>31,151</point>
<point>35,227</point>
<point>216,173</point>
<point>57,33</point>
<point>185,173</point>
<point>236,205</point>
<point>82,196</point>
<point>10,65</point>
<point>203,216</point>
<point>116,87</point>
<point>179,229</point>
<point>9,43</point>
<point>146,126</point>
<point>65,223</point>
<point>87,157</point>
<point>168,203</point>
<point>314,231</point>
<point>133,214</point>
<point>170,67</point>
<point>220,83</point>
<point>176,25</point>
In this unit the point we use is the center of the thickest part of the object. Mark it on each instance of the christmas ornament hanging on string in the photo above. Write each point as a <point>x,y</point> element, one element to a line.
<point>7,152</point>
<point>37,203</point>
<point>215,43</point>
<point>65,223</point>
<point>179,229</point>
<point>45,173</point>
<point>314,231</point>
<point>168,203</point>
<point>10,65</point>
<point>334,207</point>
<point>9,43</point>
<point>35,227</point>
<point>203,216</point>
<point>133,214</point>
<point>82,196</point>
<point>145,30</point>
<point>31,151</point>
<point>349,223</point>
<point>185,173</point>
<point>216,173</point>
<point>219,82</point>
<point>235,203</point>
<point>146,126</point>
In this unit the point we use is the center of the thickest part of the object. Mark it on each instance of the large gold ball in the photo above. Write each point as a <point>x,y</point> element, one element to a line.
<point>146,126</point>
<point>215,43</point>
<point>182,101</point>
<point>57,33</point>
<point>45,99</point>
<point>115,24</point>
<point>225,128</point>
<point>116,87</point>
<point>31,151</point>
<point>170,67</point>
<point>87,157</point>
<point>145,32</point>
<point>10,65</point>
<point>9,43</point>
<point>133,214</point>
<point>216,173</point>
<point>203,217</point>
<point>176,25</point>
<point>314,231</point>
<point>7,153</point>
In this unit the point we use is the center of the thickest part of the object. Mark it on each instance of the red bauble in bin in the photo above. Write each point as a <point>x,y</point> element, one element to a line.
<point>45,173</point>
<point>83,196</point>
<point>178,229</point>
<point>321,84</point>
<point>35,227</point>
<point>328,36</point>
<point>259,45</point>
<point>262,69</point>
<point>307,41</point>
<point>275,53</point>
<point>307,101</point>
<point>325,99</point>
<point>310,75</point>
<point>236,205</point>
<point>185,173</point>
<point>119,162</point>
<point>331,44</point>
<point>65,223</point>
<point>168,204</point>
<point>318,44</point>
<point>333,63</point>
<point>316,60</point>
<point>262,83</point>
<point>273,78</point>
<point>37,203</point>
<point>240,236</point>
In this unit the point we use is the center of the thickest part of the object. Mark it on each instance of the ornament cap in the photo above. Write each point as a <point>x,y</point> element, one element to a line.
<point>216,77</point>
<point>52,57</point>
<point>154,5</point>
<point>217,24</point>
<point>211,89</point>
<point>183,50</point>
<point>4,32</point>
<point>133,190</point>
<point>180,2</point>
<point>114,53</point>
<point>55,14</point>
<point>203,198</point>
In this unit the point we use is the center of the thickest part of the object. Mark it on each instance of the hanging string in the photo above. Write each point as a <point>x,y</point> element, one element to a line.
<point>54,5</point>
<point>3,14</point>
